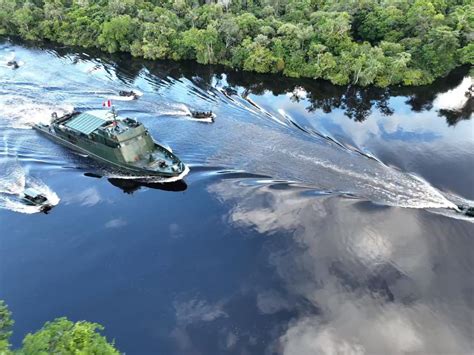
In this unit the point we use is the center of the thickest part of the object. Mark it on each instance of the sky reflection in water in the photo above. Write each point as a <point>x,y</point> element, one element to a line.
<point>375,276</point>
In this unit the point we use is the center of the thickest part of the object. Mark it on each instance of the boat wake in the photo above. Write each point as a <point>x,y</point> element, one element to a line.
<point>183,111</point>
<point>454,212</point>
<point>451,213</point>
<point>204,120</point>
<point>327,164</point>
<point>125,98</point>
<point>22,113</point>
<point>119,98</point>
<point>325,167</point>
<point>13,182</point>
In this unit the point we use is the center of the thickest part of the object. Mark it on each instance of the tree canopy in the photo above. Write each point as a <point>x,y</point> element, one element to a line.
<point>370,42</point>
<point>60,336</point>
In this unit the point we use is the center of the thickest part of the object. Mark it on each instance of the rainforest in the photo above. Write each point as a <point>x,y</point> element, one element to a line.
<point>369,42</point>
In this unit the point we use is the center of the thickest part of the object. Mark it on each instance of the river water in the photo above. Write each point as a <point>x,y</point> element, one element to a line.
<point>314,219</point>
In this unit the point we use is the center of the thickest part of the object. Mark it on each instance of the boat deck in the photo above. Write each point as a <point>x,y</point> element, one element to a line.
<point>156,163</point>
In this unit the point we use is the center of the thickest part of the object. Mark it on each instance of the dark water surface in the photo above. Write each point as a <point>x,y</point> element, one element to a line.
<point>315,218</point>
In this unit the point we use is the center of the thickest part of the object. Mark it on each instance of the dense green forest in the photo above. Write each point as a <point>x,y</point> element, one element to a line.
<point>58,337</point>
<point>363,42</point>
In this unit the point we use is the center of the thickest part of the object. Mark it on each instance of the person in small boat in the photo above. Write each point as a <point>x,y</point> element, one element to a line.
<point>201,114</point>
<point>35,198</point>
<point>13,64</point>
<point>128,94</point>
<point>470,92</point>
<point>467,210</point>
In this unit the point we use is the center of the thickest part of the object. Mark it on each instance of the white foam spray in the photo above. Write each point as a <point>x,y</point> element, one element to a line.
<point>21,112</point>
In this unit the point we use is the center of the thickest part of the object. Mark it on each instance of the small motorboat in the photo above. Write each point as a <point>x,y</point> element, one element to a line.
<point>202,114</point>
<point>470,92</point>
<point>466,210</point>
<point>13,64</point>
<point>35,198</point>
<point>94,68</point>
<point>130,93</point>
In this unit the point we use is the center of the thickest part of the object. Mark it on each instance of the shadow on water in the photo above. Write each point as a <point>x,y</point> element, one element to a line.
<point>129,186</point>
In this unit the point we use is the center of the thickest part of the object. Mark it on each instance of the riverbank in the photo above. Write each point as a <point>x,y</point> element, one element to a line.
<point>403,44</point>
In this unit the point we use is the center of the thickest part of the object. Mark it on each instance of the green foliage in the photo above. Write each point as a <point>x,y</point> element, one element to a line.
<point>381,23</point>
<point>7,8</point>
<point>203,43</point>
<point>363,42</point>
<point>6,324</point>
<point>421,17</point>
<point>60,336</point>
<point>440,50</point>
<point>65,337</point>
<point>467,54</point>
<point>118,33</point>
<point>259,59</point>
<point>26,19</point>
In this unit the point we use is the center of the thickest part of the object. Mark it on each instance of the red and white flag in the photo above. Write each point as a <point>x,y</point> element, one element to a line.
<point>107,103</point>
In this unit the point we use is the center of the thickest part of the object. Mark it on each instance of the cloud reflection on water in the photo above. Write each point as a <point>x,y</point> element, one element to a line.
<point>192,311</point>
<point>116,223</point>
<point>376,278</point>
<point>88,197</point>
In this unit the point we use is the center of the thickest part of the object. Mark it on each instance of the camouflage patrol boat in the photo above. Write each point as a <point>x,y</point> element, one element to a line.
<point>120,142</point>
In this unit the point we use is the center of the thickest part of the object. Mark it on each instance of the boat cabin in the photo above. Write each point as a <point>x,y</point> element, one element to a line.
<point>128,135</point>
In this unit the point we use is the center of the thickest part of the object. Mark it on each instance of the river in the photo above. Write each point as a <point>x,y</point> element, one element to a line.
<point>314,219</point>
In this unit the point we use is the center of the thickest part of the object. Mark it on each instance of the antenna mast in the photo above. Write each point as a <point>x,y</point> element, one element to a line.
<point>114,114</point>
